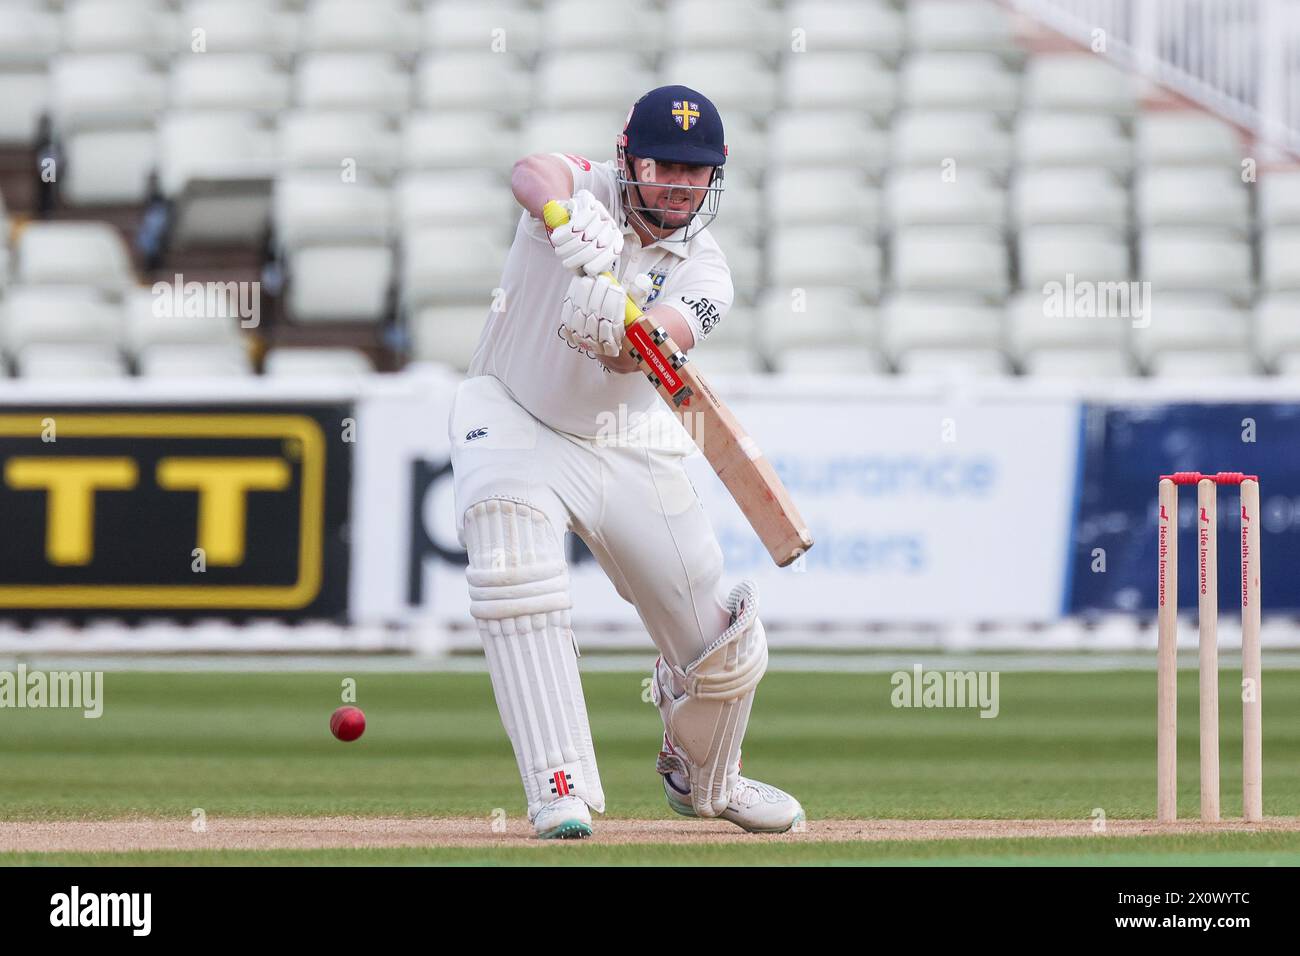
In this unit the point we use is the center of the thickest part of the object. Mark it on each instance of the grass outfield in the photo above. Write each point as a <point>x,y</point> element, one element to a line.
<point>1063,745</point>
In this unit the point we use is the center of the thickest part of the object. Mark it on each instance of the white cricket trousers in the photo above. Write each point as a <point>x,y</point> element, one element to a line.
<point>633,506</point>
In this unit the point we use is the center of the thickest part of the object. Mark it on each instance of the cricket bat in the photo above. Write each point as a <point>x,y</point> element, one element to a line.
<point>736,457</point>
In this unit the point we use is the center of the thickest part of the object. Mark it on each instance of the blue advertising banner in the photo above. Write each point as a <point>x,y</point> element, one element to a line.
<point>1124,451</point>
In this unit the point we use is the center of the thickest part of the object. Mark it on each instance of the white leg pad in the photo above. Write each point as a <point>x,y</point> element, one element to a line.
<point>705,705</point>
<point>519,594</point>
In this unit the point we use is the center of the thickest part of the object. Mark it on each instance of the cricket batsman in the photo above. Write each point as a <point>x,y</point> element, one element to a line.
<point>555,429</point>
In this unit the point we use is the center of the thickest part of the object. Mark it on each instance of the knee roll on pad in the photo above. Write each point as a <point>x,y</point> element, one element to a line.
<point>705,705</point>
<point>519,594</point>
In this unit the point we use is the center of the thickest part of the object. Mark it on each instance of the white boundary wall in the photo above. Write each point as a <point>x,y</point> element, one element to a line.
<point>939,507</point>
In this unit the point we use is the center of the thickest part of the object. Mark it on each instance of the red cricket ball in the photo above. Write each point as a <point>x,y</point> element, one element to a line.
<point>348,723</point>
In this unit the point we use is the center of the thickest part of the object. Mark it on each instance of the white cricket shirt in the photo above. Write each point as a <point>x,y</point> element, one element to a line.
<point>567,388</point>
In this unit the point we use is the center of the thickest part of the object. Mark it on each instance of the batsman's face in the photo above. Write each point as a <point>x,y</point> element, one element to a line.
<point>664,189</point>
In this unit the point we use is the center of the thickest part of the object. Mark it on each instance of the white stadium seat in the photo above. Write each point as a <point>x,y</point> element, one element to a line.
<point>593,81</point>
<point>317,363</point>
<point>1201,366</point>
<point>1178,260</point>
<point>352,81</point>
<point>1279,198</point>
<point>447,334</point>
<point>116,26</point>
<point>961,25</point>
<point>802,196</point>
<point>934,259</point>
<point>434,198</point>
<point>831,80</point>
<point>458,81</point>
<point>1048,139</point>
<point>1069,197</point>
<point>441,265</point>
<point>746,147</point>
<point>954,363</point>
<point>494,26</point>
<point>922,198</point>
<point>736,81</point>
<point>827,316</point>
<point>1053,253</point>
<point>585,133</point>
<point>601,25</point>
<point>1288,364</point>
<point>738,329</point>
<point>151,321</point>
<point>1212,198</point>
<point>959,81</point>
<point>911,321</point>
<point>359,25</point>
<point>1038,323</point>
<point>846,360</point>
<point>195,361</point>
<point>947,140</point>
<point>108,166</point>
<point>834,25</point>
<point>745,259</point>
<point>825,255</point>
<point>1078,364</point>
<point>340,283</point>
<point>826,138</point>
<point>24,96</point>
<point>104,90</point>
<point>242,81</point>
<point>237,26</point>
<point>57,316</point>
<point>458,141</point>
<point>1186,138</point>
<point>1277,326</point>
<point>1083,82</point>
<point>1190,322</point>
<point>732,359</point>
<point>211,145</point>
<point>74,253</point>
<point>327,139</point>
<point>716,25</point>
<point>29,37</point>
<point>316,208</point>
<point>743,207</point>
<point>1280,260</point>
<point>70,363</point>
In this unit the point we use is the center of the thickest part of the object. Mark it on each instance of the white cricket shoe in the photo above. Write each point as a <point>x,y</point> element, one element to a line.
<point>753,806</point>
<point>564,819</point>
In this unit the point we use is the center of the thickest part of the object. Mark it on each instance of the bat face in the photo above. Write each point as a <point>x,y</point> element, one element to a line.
<point>733,454</point>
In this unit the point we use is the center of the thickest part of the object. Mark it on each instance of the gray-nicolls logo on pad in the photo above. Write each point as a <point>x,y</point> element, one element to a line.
<point>76,908</point>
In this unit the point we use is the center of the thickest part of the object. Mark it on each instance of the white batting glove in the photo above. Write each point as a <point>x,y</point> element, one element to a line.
<point>591,240</point>
<point>594,309</point>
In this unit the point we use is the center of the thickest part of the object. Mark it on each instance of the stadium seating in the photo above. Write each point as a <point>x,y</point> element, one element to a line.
<point>912,166</point>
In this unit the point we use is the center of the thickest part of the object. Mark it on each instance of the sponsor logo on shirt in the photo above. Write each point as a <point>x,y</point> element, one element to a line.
<point>705,311</point>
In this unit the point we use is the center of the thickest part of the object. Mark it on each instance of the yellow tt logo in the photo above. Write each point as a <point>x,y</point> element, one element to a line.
<point>71,483</point>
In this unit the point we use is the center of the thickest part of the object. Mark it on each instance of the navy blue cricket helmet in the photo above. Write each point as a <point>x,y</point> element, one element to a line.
<point>673,124</point>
